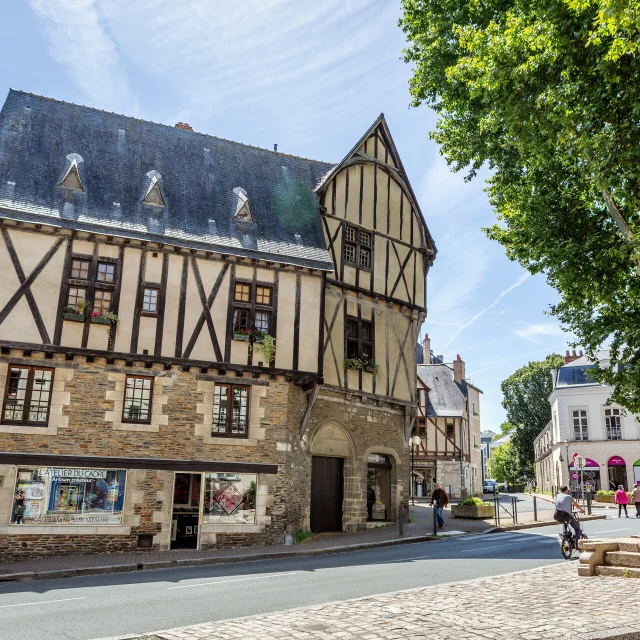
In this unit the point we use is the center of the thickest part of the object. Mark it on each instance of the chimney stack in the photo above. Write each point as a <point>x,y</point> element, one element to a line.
<point>184,125</point>
<point>458,369</point>
<point>275,147</point>
<point>426,349</point>
<point>570,357</point>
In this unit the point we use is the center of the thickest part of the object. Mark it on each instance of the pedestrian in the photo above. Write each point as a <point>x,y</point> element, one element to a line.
<point>622,500</point>
<point>441,499</point>
<point>635,498</point>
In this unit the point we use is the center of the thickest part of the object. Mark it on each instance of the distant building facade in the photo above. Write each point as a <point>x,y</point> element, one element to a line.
<point>448,424</point>
<point>582,422</point>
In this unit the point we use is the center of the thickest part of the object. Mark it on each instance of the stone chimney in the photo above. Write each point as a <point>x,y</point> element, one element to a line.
<point>458,369</point>
<point>426,349</point>
<point>184,125</point>
<point>570,357</point>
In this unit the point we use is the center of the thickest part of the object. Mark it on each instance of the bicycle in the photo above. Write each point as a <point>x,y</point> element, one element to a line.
<point>568,542</point>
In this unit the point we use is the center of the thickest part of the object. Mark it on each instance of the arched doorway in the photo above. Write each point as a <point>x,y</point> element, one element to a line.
<point>617,472</point>
<point>379,487</point>
<point>330,446</point>
<point>636,473</point>
<point>590,475</point>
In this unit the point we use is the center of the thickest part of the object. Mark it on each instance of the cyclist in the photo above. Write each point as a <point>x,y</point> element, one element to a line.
<point>564,510</point>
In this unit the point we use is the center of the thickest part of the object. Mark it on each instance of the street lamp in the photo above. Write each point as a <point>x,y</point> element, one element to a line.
<point>414,441</point>
<point>566,446</point>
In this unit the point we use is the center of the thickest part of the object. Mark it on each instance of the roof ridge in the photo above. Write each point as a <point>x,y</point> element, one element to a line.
<point>168,126</point>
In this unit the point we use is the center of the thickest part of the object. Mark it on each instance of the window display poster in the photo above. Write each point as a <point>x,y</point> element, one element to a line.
<point>230,498</point>
<point>68,496</point>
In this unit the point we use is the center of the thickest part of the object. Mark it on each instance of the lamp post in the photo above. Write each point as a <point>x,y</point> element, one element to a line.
<point>566,446</point>
<point>414,442</point>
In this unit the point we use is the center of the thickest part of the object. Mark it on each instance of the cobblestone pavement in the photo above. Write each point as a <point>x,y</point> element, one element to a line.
<point>551,602</point>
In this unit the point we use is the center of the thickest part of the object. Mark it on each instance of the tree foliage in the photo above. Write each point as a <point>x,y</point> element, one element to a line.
<point>504,463</point>
<point>526,400</point>
<point>546,93</point>
<point>505,428</point>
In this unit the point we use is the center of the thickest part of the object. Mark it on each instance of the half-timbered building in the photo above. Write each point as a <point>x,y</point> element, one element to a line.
<point>202,343</point>
<point>448,424</point>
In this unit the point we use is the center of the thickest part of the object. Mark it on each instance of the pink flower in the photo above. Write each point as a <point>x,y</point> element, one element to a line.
<point>95,314</point>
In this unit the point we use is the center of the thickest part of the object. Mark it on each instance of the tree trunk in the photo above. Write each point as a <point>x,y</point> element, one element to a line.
<point>621,223</point>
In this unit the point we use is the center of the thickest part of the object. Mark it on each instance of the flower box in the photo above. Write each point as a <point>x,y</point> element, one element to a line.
<point>257,337</point>
<point>472,511</point>
<point>100,320</point>
<point>74,317</point>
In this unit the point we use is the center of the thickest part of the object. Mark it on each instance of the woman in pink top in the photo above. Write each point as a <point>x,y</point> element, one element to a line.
<point>622,500</point>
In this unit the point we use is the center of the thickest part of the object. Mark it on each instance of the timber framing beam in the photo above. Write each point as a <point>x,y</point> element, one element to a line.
<point>312,396</point>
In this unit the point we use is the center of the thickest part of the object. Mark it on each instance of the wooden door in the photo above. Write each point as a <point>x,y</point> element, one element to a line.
<point>327,483</point>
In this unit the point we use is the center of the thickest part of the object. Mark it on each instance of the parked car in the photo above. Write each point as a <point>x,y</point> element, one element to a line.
<point>490,486</point>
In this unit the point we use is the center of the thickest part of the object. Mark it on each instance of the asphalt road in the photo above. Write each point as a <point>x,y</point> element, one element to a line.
<point>110,605</point>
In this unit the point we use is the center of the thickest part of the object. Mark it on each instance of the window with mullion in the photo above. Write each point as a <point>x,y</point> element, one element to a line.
<point>252,307</point>
<point>230,411</point>
<point>27,395</point>
<point>137,399</point>
<point>357,247</point>
<point>612,422</point>
<point>580,426</point>
<point>359,339</point>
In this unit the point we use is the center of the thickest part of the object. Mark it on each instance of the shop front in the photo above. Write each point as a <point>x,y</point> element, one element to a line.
<point>617,472</point>
<point>424,477</point>
<point>589,476</point>
<point>636,473</point>
<point>379,487</point>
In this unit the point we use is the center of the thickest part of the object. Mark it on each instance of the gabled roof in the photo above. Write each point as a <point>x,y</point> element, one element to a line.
<point>446,399</point>
<point>199,174</point>
<point>400,174</point>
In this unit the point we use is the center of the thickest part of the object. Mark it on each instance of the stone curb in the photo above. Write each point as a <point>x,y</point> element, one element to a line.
<point>195,562</point>
<point>534,525</point>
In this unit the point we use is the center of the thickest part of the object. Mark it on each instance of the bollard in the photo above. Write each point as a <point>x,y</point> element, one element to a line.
<point>435,520</point>
<point>496,510</point>
<point>514,510</point>
<point>589,503</point>
<point>400,523</point>
<point>535,509</point>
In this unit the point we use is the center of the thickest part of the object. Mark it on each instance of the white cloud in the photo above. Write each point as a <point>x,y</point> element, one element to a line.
<point>533,332</point>
<point>79,40</point>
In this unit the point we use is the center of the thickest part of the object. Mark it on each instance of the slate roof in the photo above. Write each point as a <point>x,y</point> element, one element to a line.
<point>198,174</point>
<point>445,398</point>
<point>576,373</point>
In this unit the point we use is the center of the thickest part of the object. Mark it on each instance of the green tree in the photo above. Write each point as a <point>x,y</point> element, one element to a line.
<point>505,428</point>
<point>526,400</point>
<point>546,93</point>
<point>504,464</point>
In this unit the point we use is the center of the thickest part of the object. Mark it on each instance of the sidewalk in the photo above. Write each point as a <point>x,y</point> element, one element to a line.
<point>419,529</point>
<point>537,604</point>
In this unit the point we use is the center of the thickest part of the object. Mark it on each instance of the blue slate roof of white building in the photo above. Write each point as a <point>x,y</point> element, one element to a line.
<point>118,157</point>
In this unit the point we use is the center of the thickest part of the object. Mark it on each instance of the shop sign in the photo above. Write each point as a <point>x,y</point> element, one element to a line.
<point>75,474</point>
<point>616,461</point>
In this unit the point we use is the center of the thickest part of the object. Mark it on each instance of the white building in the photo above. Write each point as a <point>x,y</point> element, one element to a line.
<point>582,423</point>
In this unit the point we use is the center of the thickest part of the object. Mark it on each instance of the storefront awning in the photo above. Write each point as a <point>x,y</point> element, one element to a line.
<point>160,464</point>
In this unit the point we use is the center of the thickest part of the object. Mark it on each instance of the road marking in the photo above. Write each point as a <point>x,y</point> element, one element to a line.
<point>614,530</point>
<point>405,559</point>
<point>206,584</point>
<point>28,604</point>
<point>494,546</point>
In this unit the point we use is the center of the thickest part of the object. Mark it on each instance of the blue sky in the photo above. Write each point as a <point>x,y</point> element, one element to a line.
<point>311,77</point>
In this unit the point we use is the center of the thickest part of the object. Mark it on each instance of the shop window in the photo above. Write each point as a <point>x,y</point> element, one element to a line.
<point>230,498</point>
<point>359,339</point>
<point>252,308</point>
<point>137,399</point>
<point>613,425</point>
<point>580,426</point>
<point>230,411</point>
<point>27,395</point>
<point>357,247</point>
<point>150,300</point>
<point>68,496</point>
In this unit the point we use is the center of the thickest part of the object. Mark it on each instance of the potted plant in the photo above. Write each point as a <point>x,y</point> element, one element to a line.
<point>249,335</point>
<point>358,364</point>
<point>109,318</point>
<point>473,508</point>
<point>71,313</point>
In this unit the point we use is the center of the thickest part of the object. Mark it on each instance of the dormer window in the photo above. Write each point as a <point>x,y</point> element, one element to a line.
<point>242,212</point>
<point>72,178</point>
<point>153,195</point>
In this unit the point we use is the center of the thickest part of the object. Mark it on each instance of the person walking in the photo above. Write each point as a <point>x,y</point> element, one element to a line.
<point>441,500</point>
<point>622,500</point>
<point>635,498</point>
